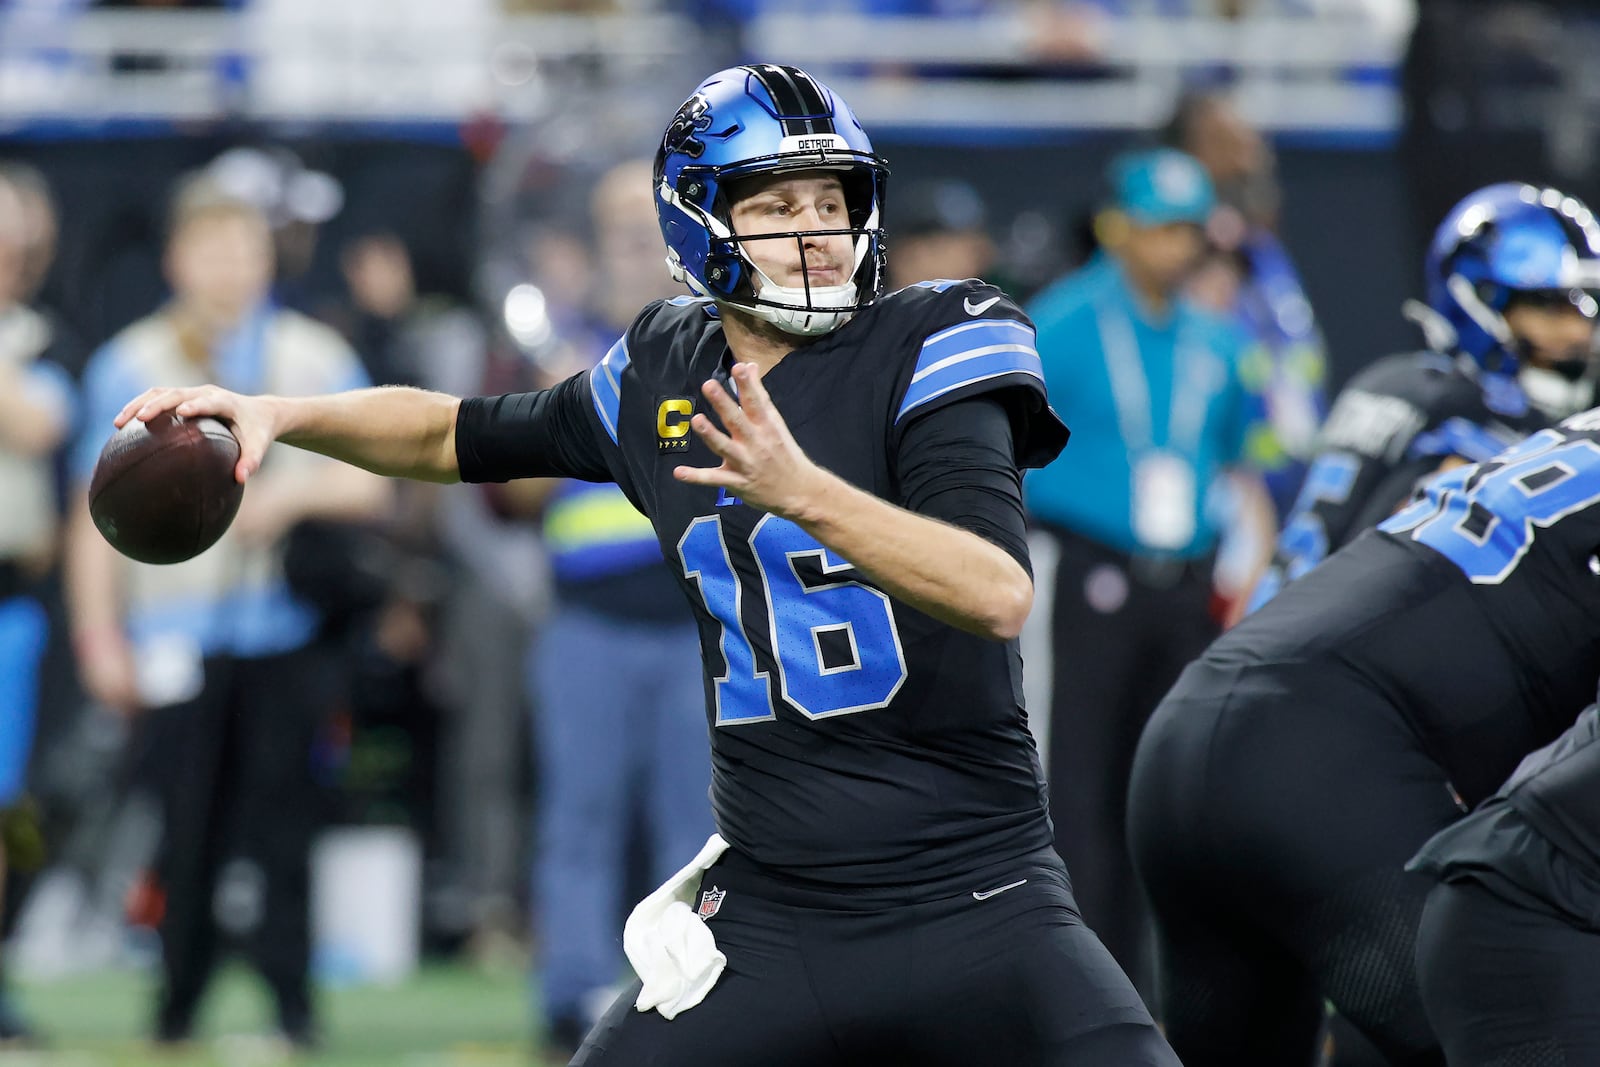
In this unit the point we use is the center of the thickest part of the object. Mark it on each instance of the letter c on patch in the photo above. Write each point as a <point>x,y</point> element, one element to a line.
<point>672,418</point>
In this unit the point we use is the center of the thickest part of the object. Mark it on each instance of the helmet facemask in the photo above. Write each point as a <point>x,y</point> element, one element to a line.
<point>807,310</point>
<point>767,121</point>
<point>732,276</point>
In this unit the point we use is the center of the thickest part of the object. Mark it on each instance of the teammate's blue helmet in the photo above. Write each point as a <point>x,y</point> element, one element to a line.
<point>1505,243</point>
<point>759,120</point>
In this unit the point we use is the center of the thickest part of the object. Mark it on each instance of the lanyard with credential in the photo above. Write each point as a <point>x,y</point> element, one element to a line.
<point>1130,388</point>
<point>1164,494</point>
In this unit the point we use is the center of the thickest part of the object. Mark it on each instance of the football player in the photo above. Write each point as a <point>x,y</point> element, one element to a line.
<point>1511,276</point>
<point>834,475</point>
<point>1508,954</point>
<point>1295,768</point>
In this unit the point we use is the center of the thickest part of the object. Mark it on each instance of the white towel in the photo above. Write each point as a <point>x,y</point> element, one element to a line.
<point>671,949</point>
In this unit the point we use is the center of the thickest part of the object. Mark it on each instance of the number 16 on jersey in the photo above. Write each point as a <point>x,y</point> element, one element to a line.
<point>866,672</point>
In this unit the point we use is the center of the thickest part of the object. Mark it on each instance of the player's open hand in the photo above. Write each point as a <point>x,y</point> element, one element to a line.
<point>250,417</point>
<point>761,464</point>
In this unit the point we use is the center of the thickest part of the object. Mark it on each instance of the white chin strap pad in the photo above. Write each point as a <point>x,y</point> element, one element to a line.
<point>795,317</point>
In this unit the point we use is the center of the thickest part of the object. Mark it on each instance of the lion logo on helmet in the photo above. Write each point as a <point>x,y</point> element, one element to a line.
<point>694,117</point>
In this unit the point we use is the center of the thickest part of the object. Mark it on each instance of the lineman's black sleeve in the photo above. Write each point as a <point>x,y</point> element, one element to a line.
<point>957,464</point>
<point>1389,496</point>
<point>544,434</point>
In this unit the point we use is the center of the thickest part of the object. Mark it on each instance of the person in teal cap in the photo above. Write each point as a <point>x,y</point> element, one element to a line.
<point>1152,385</point>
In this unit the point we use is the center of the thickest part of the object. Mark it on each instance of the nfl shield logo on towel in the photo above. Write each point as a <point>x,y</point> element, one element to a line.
<point>711,902</point>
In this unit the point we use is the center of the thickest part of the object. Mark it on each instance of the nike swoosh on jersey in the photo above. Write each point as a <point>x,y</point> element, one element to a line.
<point>981,306</point>
<point>987,893</point>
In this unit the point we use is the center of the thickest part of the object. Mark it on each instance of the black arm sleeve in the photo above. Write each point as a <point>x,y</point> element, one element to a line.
<point>957,463</point>
<point>1387,497</point>
<point>544,434</point>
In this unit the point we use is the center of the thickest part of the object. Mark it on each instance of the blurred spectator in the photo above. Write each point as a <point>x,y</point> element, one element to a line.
<point>36,217</point>
<point>42,813</point>
<point>295,200</point>
<point>36,410</point>
<point>1151,385</point>
<point>216,655</point>
<point>39,232</point>
<point>1250,277</point>
<point>940,230</point>
<point>383,297</point>
<point>463,653</point>
<point>402,336</point>
<point>620,705</point>
<point>498,586</point>
<point>1065,33</point>
<point>1208,126</point>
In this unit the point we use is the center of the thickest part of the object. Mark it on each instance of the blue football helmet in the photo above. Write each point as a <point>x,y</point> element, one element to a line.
<point>1504,243</point>
<point>758,120</point>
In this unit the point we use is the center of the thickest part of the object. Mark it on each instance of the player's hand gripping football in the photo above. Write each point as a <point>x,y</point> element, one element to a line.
<point>761,464</point>
<point>250,417</point>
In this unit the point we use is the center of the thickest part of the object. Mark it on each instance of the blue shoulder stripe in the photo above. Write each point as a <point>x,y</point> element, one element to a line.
<point>605,384</point>
<point>970,353</point>
<point>708,305</point>
<point>1457,436</point>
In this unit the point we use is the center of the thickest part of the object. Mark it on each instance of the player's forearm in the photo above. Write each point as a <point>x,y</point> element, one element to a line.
<point>92,588</point>
<point>398,432</point>
<point>947,572</point>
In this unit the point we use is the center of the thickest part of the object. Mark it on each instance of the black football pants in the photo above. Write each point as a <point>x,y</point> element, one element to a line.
<point>1271,814</point>
<point>1505,985</point>
<point>232,769</point>
<point>1014,978</point>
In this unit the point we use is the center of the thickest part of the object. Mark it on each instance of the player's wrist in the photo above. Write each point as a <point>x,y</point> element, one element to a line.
<point>814,497</point>
<point>278,414</point>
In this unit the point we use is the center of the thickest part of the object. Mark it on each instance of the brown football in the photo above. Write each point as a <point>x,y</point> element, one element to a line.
<point>163,491</point>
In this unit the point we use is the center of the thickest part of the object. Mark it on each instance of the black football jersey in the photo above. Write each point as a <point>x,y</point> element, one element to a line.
<point>1390,427</point>
<point>1474,611</point>
<point>855,741</point>
<point>1537,840</point>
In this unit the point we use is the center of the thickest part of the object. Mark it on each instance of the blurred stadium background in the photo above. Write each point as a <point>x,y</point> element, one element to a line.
<point>445,151</point>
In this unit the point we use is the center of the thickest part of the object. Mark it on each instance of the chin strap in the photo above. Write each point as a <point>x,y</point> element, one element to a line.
<point>823,316</point>
<point>805,312</point>
<point>1436,329</point>
<point>1440,336</point>
<point>1553,393</point>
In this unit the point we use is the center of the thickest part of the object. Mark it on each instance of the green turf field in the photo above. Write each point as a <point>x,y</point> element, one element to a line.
<point>444,1017</point>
